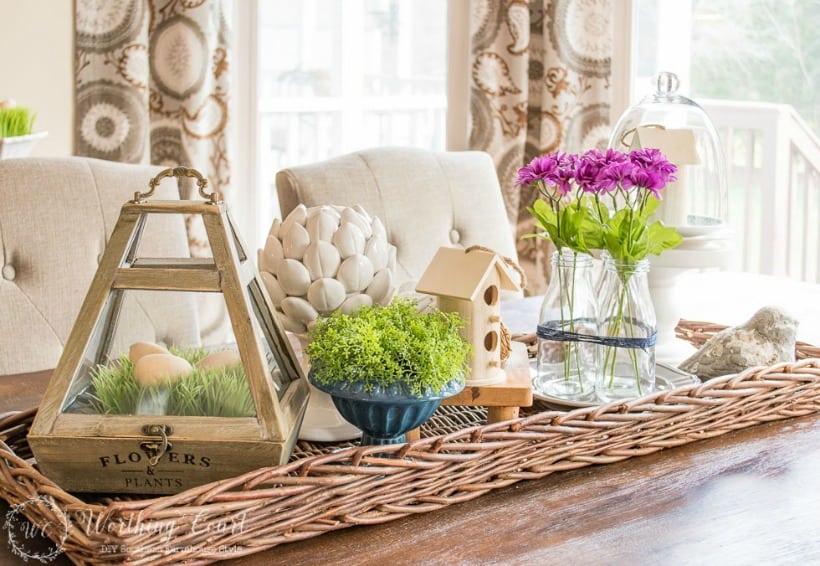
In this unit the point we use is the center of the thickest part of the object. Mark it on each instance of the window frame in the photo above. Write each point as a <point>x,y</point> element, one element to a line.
<point>246,151</point>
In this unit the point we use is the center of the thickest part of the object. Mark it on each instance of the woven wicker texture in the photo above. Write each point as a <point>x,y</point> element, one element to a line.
<point>330,487</point>
<point>697,333</point>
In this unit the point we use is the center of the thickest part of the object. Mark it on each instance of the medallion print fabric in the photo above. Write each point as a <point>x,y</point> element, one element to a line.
<point>539,83</point>
<point>152,86</point>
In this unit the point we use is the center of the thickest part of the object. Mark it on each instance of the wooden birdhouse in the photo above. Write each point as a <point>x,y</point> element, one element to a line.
<point>470,282</point>
<point>122,414</point>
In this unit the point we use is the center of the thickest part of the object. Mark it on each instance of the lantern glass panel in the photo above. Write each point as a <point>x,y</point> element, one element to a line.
<point>127,411</point>
<point>125,370</point>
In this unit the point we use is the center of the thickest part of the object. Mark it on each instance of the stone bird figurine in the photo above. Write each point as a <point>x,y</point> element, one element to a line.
<point>766,338</point>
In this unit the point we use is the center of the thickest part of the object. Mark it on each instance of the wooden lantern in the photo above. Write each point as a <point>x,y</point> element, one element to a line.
<point>83,448</point>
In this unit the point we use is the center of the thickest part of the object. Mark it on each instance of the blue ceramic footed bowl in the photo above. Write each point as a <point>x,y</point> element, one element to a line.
<point>385,414</point>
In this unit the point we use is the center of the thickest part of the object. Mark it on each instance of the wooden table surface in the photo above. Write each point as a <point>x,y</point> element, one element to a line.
<point>748,497</point>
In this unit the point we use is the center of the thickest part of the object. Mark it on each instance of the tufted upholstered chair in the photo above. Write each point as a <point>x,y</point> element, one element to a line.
<point>56,215</point>
<point>426,199</point>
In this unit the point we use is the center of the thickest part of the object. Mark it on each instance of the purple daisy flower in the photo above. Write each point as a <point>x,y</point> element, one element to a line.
<point>647,179</point>
<point>616,174</point>
<point>557,170</point>
<point>539,169</point>
<point>654,161</point>
<point>588,170</point>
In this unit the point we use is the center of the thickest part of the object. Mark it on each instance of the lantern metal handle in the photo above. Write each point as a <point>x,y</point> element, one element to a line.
<point>179,172</point>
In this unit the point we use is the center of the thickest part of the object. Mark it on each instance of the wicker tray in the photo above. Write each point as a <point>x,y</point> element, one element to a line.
<point>327,487</point>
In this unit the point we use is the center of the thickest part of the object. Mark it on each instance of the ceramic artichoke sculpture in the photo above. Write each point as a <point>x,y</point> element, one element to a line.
<point>324,258</point>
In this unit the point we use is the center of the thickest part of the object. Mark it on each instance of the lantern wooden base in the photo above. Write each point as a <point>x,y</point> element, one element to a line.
<point>119,465</point>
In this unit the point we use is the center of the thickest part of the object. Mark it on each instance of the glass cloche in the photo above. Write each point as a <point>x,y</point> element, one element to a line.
<point>696,204</point>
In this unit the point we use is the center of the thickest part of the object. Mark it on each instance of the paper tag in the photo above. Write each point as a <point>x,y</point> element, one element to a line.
<point>677,145</point>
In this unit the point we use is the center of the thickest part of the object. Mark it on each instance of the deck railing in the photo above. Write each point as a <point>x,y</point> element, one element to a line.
<point>773,166</point>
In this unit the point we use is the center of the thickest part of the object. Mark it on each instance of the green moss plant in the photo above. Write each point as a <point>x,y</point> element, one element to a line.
<point>17,121</point>
<point>217,392</point>
<point>383,346</point>
<point>115,391</point>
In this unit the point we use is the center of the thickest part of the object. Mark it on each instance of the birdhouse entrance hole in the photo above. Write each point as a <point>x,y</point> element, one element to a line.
<point>491,295</point>
<point>491,340</point>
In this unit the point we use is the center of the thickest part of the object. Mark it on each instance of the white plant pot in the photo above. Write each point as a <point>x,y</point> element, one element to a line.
<point>713,250</point>
<point>19,146</point>
<point>322,421</point>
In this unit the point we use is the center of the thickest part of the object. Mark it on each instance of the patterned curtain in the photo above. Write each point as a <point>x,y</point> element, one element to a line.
<point>152,86</point>
<point>539,83</point>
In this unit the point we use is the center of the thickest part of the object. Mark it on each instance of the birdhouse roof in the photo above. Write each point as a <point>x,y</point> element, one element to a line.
<point>458,273</point>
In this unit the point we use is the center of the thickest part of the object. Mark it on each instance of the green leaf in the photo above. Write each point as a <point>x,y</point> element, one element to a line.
<point>660,238</point>
<point>554,235</point>
<point>601,210</point>
<point>542,212</point>
<point>650,207</point>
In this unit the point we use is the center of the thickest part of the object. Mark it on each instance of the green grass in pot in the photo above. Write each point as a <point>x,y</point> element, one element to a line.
<point>378,347</point>
<point>17,121</point>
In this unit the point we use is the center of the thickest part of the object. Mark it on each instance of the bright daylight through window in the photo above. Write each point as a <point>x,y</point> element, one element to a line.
<point>754,66</point>
<point>329,77</point>
<point>335,76</point>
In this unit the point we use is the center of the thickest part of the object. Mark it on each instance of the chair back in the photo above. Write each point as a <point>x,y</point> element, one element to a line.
<point>426,199</point>
<point>56,215</point>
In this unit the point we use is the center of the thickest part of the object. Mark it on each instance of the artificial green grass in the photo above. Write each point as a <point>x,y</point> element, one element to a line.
<point>17,121</point>
<point>217,392</point>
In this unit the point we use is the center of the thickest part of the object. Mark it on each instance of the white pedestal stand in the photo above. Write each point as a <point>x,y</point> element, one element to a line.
<point>710,250</point>
<point>322,421</point>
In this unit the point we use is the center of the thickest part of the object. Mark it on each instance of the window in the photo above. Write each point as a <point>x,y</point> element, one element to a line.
<point>754,66</point>
<point>326,77</point>
<point>762,50</point>
<point>335,76</point>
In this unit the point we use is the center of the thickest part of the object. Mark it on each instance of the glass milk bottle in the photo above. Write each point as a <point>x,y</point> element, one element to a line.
<point>565,360</point>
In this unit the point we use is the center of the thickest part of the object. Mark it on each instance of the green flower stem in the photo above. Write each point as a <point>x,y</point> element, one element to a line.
<point>631,329</point>
<point>614,330</point>
<point>570,350</point>
<point>571,301</point>
<point>564,345</point>
<point>601,218</point>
